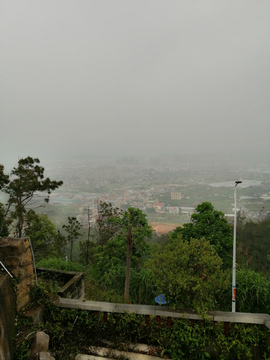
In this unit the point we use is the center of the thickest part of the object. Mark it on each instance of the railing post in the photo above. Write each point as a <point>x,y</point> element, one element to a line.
<point>226,326</point>
<point>105,317</point>
<point>169,321</point>
<point>147,318</point>
<point>158,320</point>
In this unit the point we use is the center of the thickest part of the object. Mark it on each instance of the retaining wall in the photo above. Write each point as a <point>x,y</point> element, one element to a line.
<point>7,317</point>
<point>16,255</point>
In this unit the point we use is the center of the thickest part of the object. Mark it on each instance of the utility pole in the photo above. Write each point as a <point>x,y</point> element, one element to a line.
<point>234,253</point>
<point>88,238</point>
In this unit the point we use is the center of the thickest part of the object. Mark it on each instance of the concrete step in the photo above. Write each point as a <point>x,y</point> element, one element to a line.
<point>91,357</point>
<point>137,348</point>
<point>108,354</point>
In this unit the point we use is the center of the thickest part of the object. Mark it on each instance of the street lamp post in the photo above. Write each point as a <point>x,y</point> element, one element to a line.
<point>234,253</point>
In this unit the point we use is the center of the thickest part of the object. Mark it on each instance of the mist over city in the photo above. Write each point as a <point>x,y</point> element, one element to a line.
<point>155,105</point>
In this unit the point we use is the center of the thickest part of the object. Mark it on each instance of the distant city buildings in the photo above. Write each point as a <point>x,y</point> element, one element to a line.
<point>155,203</point>
<point>175,195</point>
<point>173,210</point>
<point>172,186</point>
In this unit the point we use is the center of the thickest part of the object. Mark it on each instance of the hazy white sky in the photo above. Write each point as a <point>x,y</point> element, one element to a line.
<point>122,77</point>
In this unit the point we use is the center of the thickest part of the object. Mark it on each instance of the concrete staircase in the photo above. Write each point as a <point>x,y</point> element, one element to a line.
<point>138,352</point>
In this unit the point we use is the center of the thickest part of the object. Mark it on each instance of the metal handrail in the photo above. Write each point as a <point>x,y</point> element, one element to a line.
<point>6,269</point>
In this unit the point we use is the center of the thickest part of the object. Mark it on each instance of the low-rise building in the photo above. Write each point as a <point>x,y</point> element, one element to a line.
<point>175,195</point>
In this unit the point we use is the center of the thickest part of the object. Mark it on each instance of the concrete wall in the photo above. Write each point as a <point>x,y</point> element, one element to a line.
<point>74,289</point>
<point>71,282</point>
<point>7,317</point>
<point>16,255</point>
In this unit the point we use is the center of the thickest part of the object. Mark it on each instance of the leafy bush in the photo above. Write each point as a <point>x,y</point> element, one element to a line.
<point>60,264</point>
<point>207,340</point>
<point>188,273</point>
<point>42,295</point>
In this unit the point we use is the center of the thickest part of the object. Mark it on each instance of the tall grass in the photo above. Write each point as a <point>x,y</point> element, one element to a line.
<point>110,285</point>
<point>252,293</point>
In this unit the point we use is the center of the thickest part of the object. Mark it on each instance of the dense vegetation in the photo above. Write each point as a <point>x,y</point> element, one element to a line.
<point>123,262</point>
<point>254,245</point>
<point>72,331</point>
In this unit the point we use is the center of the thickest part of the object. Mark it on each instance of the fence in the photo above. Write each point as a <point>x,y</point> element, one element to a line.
<point>169,313</point>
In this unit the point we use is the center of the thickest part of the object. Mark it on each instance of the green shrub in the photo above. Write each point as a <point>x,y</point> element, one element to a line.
<point>60,264</point>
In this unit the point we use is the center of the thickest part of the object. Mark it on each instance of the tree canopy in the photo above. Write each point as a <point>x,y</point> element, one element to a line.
<point>25,183</point>
<point>210,224</point>
<point>106,225</point>
<point>188,273</point>
<point>4,222</point>
<point>134,228</point>
<point>4,178</point>
<point>73,230</point>
<point>45,238</point>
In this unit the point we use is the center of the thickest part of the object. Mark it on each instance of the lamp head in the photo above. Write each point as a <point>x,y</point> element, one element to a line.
<point>238,182</point>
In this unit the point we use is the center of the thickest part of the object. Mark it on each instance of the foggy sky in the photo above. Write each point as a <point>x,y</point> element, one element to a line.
<point>131,77</point>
